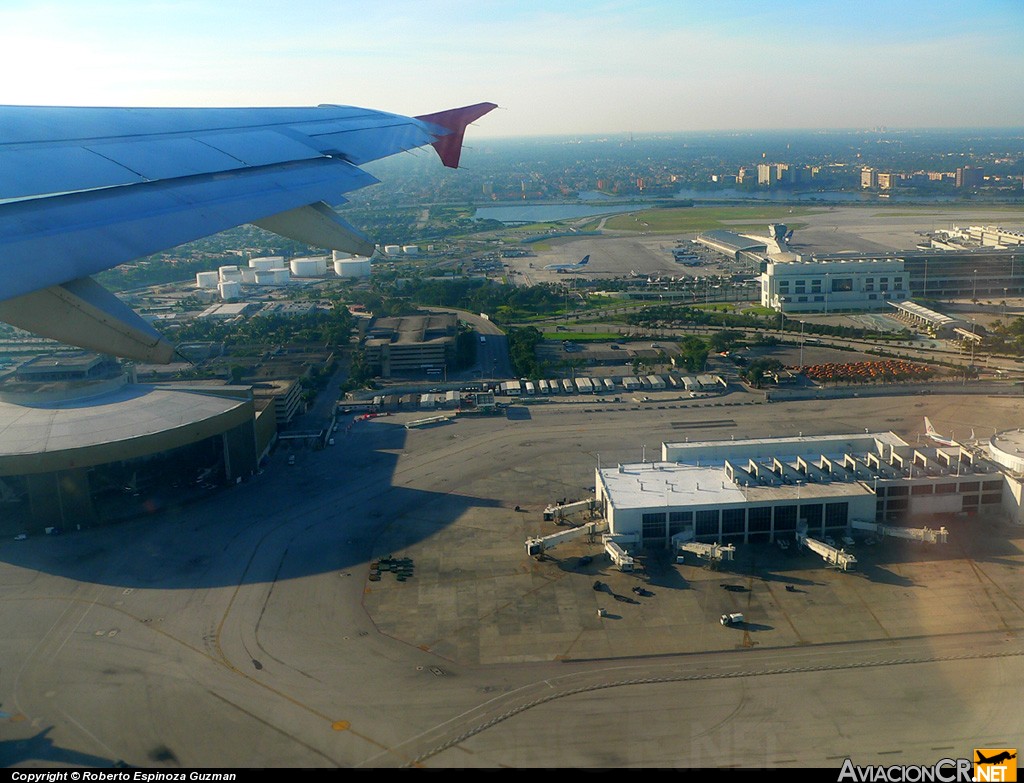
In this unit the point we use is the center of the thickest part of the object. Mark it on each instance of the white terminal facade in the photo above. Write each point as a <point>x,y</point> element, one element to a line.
<point>745,491</point>
<point>795,285</point>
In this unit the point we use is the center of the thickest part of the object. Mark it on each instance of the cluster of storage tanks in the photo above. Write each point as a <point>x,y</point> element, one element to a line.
<point>401,250</point>
<point>274,270</point>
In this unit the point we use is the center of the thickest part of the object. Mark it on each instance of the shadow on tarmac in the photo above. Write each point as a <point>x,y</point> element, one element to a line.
<point>323,514</point>
<point>40,748</point>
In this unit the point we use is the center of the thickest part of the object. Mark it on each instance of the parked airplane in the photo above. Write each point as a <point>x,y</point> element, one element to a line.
<point>85,189</point>
<point>933,435</point>
<point>569,267</point>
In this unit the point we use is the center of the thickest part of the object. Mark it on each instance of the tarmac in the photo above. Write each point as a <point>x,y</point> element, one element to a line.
<point>248,630</point>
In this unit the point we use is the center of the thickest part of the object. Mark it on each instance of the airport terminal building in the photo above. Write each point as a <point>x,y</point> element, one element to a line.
<point>816,286</point>
<point>73,454</point>
<point>744,491</point>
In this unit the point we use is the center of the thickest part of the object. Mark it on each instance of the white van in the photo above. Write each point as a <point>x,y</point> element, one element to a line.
<point>734,618</point>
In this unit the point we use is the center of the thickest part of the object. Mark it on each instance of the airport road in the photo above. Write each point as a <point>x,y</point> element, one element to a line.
<point>245,631</point>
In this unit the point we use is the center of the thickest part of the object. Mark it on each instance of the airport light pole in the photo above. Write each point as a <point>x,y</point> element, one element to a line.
<point>974,296</point>
<point>974,324</point>
<point>826,292</point>
<point>801,345</point>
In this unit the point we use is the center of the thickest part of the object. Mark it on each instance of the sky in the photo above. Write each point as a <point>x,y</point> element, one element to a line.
<point>554,67</point>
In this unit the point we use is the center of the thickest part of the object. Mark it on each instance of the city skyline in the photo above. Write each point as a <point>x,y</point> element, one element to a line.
<point>554,68</point>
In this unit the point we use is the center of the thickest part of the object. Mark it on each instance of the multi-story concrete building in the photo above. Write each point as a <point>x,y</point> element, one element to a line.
<point>969,177</point>
<point>767,174</point>
<point>412,345</point>
<point>834,285</point>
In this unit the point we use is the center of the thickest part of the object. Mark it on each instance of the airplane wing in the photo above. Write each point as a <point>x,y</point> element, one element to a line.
<point>86,189</point>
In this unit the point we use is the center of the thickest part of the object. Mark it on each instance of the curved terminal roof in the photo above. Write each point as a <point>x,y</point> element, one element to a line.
<point>1007,448</point>
<point>731,242</point>
<point>128,422</point>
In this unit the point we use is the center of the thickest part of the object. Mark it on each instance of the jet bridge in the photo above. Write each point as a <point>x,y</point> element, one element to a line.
<point>923,534</point>
<point>622,559</point>
<point>712,553</point>
<point>837,558</point>
<point>557,512</point>
<point>536,547</point>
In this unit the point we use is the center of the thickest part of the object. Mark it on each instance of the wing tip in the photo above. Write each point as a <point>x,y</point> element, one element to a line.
<point>449,146</point>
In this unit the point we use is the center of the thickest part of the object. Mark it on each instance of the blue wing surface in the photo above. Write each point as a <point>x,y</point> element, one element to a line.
<point>85,189</point>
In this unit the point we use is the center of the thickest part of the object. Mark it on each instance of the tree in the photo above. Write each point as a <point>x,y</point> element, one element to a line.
<point>725,340</point>
<point>759,368</point>
<point>693,353</point>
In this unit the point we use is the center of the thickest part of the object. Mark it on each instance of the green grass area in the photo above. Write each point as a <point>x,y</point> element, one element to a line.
<point>722,307</point>
<point>916,211</point>
<point>684,219</point>
<point>759,310</point>
<point>531,229</point>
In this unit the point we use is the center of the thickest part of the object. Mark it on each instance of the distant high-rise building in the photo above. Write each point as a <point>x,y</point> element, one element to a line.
<point>969,177</point>
<point>868,178</point>
<point>766,174</point>
<point>885,180</point>
<point>795,175</point>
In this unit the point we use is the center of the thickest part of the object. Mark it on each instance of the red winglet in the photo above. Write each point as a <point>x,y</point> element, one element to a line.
<point>449,147</point>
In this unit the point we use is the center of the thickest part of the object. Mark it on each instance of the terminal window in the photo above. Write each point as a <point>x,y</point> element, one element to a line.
<point>654,525</point>
<point>836,514</point>
<point>840,284</point>
<point>810,514</point>
<point>785,517</point>
<point>759,519</point>
<point>707,523</point>
<point>678,521</point>
<point>733,520</point>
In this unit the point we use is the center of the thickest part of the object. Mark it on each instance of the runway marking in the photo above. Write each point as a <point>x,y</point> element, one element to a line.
<point>341,725</point>
<point>871,613</point>
<point>785,614</point>
<point>980,574</point>
<point>514,710</point>
<point>681,425</point>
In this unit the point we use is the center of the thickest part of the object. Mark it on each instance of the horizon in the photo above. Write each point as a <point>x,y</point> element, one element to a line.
<point>554,68</point>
